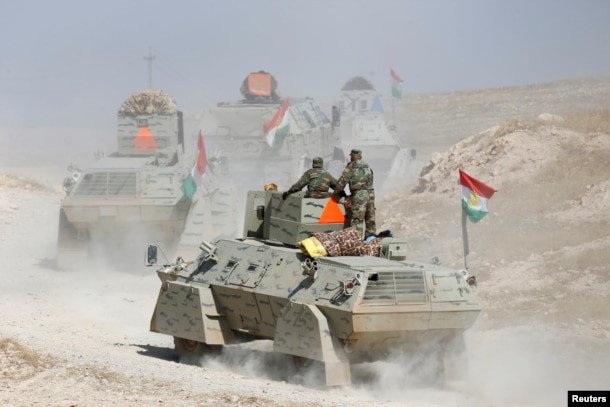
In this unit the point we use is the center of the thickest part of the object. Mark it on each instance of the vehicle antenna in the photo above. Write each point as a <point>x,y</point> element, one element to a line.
<point>150,57</point>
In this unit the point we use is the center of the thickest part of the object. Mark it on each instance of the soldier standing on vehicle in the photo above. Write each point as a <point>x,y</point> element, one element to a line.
<point>359,176</point>
<point>317,180</point>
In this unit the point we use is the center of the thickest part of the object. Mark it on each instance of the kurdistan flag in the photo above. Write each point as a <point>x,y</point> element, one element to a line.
<point>475,195</point>
<point>279,126</point>
<point>396,84</point>
<point>195,177</point>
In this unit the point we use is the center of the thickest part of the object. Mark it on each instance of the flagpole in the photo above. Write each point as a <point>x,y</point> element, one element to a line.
<point>465,239</point>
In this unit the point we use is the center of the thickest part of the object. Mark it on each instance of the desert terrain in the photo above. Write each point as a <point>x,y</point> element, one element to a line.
<point>541,256</point>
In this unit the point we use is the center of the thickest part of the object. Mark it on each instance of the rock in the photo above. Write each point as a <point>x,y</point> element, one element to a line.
<point>550,118</point>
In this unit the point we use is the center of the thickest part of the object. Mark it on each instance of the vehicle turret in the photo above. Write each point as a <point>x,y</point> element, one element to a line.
<point>259,86</point>
<point>149,121</point>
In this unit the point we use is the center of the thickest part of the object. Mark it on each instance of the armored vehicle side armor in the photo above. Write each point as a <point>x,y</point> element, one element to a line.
<point>113,206</point>
<point>336,310</point>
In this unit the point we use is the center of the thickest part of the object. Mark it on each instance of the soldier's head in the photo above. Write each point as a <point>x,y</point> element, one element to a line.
<point>355,154</point>
<point>317,162</point>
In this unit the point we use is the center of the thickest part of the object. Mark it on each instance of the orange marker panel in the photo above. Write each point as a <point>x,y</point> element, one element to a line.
<point>332,213</point>
<point>259,84</point>
<point>145,141</point>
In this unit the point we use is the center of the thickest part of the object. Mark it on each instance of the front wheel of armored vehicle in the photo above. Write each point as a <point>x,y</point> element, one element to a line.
<point>437,370</point>
<point>72,244</point>
<point>308,371</point>
<point>191,352</point>
<point>456,361</point>
<point>301,362</point>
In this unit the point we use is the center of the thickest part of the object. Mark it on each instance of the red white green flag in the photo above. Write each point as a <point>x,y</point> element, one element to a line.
<point>279,126</point>
<point>396,84</point>
<point>475,195</point>
<point>195,177</point>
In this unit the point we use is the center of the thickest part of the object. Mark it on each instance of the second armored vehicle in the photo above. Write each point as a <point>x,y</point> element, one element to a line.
<point>338,310</point>
<point>112,206</point>
<point>268,138</point>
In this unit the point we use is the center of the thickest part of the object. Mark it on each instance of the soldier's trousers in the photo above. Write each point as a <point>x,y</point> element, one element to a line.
<point>363,212</point>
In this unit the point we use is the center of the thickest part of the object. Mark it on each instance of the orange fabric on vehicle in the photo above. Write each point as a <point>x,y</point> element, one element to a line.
<point>259,84</point>
<point>145,141</point>
<point>332,213</point>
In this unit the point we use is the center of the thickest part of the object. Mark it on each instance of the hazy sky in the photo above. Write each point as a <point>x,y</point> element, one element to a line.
<point>71,63</point>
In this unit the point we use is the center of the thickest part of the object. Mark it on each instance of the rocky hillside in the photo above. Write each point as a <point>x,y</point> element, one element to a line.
<point>543,250</point>
<point>434,122</point>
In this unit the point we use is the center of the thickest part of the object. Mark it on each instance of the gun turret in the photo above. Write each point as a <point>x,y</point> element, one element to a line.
<point>259,86</point>
<point>149,121</point>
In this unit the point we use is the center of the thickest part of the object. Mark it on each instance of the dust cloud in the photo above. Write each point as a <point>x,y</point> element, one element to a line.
<point>534,365</point>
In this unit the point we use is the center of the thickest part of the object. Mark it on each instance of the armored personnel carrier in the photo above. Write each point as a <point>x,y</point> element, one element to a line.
<point>362,125</point>
<point>268,138</point>
<point>338,310</point>
<point>111,207</point>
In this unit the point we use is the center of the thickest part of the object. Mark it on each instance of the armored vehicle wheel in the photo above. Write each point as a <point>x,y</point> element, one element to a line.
<point>191,352</point>
<point>431,367</point>
<point>455,360</point>
<point>301,362</point>
<point>72,245</point>
<point>437,371</point>
<point>308,371</point>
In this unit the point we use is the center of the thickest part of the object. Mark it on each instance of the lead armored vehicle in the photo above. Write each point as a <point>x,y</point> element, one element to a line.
<point>338,310</point>
<point>260,151</point>
<point>363,125</point>
<point>112,206</point>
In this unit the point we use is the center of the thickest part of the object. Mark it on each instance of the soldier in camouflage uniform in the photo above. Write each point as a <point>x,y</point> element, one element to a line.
<point>317,180</point>
<point>359,176</point>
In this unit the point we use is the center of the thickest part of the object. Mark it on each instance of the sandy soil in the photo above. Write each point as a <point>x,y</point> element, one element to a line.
<point>80,338</point>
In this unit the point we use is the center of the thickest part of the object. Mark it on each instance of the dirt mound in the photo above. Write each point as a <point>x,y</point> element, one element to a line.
<point>19,363</point>
<point>22,183</point>
<point>544,244</point>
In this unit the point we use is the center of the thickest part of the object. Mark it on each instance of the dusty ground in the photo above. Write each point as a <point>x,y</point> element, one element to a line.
<point>80,338</point>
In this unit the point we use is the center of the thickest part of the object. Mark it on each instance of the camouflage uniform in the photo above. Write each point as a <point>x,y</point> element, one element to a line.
<point>317,180</point>
<point>359,176</point>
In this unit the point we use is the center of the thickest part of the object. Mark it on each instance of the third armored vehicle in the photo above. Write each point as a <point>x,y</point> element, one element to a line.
<point>267,137</point>
<point>337,309</point>
<point>112,206</point>
<point>362,125</point>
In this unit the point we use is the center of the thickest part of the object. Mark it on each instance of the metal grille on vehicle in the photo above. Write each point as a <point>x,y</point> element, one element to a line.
<point>395,287</point>
<point>107,185</point>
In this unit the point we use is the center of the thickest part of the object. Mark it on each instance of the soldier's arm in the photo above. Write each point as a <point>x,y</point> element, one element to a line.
<point>341,183</point>
<point>300,183</point>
